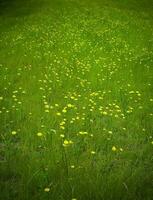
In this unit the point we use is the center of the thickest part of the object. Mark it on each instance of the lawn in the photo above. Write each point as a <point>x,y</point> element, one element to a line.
<point>76,99</point>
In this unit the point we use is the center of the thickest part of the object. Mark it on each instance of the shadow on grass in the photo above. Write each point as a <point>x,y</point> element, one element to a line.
<point>19,8</point>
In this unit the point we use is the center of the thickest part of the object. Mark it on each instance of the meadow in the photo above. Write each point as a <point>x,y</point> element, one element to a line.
<point>76,99</point>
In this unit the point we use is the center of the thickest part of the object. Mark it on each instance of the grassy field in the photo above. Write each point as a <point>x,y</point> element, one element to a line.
<point>76,102</point>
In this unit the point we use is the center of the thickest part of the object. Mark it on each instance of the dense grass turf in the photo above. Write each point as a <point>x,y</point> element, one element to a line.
<point>76,99</point>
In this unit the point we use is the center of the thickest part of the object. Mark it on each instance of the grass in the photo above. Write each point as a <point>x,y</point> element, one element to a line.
<point>76,99</point>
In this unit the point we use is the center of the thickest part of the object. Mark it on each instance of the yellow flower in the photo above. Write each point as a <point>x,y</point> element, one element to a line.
<point>62,135</point>
<point>39,134</point>
<point>64,110</point>
<point>62,127</point>
<point>66,142</point>
<point>91,135</point>
<point>46,106</point>
<point>14,132</point>
<point>69,105</point>
<point>62,123</point>
<point>121,149</point>
<point>83,133</point>
<point>104,113</point>
<point>110,132</point>
<point>58,114</point>
<point>114,148</point>
<point>93,152</point>
<point>46,189</point>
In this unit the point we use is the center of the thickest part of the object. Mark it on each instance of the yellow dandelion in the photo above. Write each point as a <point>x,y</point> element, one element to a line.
<point>93,152</point>
<point>91,135</point>
<point>14,132</point>
<point>62,127</point>
<point>114,148</point>
<point>46,189</point>
<point>46,106</point>
<point>104,113</point>
<point>66,142</point>
<point>62,123</point>
<point>110,132</point>
<point>64,110</point>
<point>70,105</point>
<point>39,134</point>
<point>83,133</point>
<point>121,149</point>
<point>70,142</point>
<point>62,135</point>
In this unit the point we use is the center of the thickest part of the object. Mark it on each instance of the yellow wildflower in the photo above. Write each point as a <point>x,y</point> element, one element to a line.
<point>14,132</point>
<point>121,149</point>
<point>39,134</point>
<point>46,189</point>
<point>62,127</point>
<point>114,148</point>
<point>70,105</point>
<point>62,135</point>
<point>93,152</point>
<point>66,142</point>
<point>104,113</point>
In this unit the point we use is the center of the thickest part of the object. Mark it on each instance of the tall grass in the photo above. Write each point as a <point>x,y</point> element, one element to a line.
<point>76,101</point>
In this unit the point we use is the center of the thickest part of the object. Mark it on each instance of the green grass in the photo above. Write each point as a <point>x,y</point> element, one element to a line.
<point>79,73</point>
